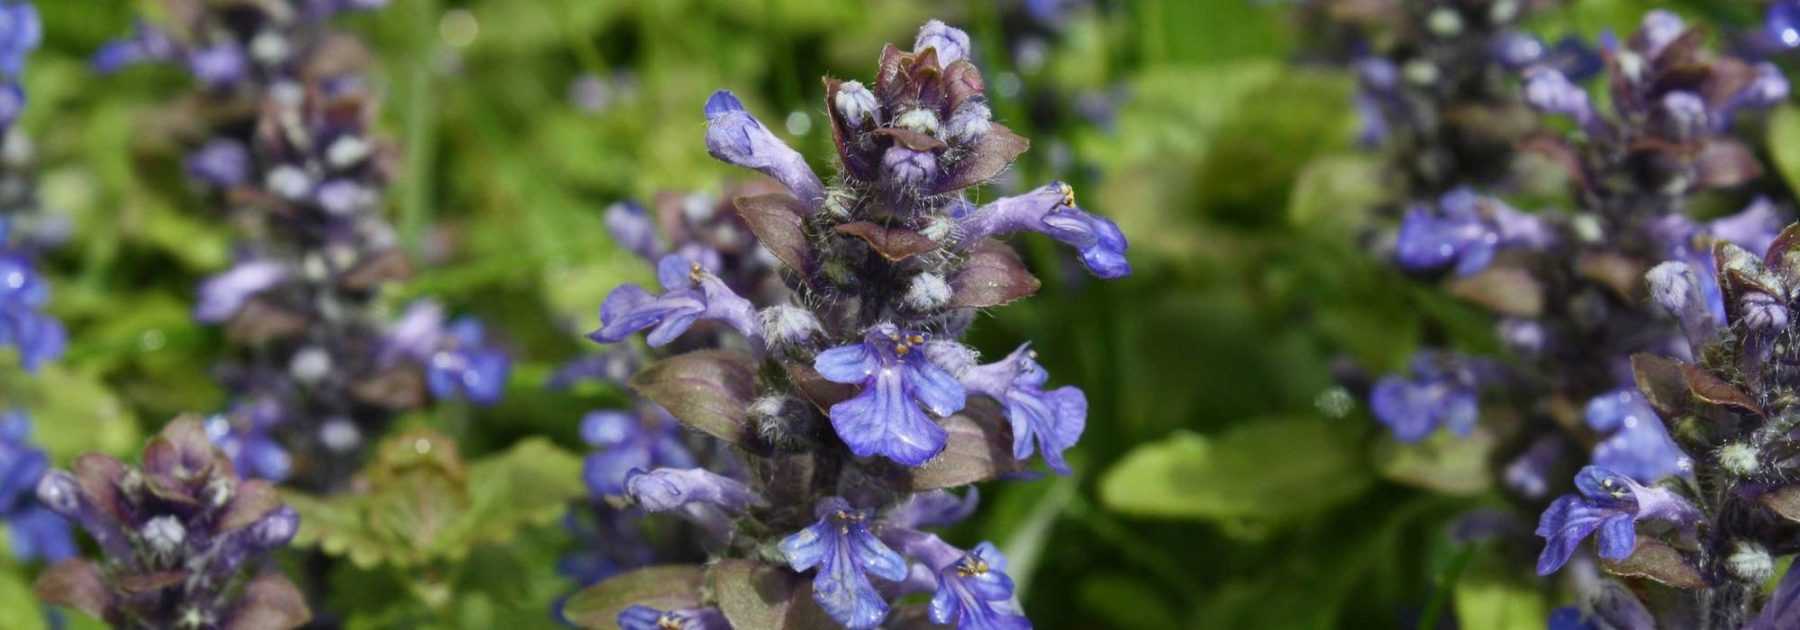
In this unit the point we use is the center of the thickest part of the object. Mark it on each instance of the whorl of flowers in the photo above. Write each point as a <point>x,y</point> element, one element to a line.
<point>850,404</point>
<point>183,540</point>
<point>289,154</point>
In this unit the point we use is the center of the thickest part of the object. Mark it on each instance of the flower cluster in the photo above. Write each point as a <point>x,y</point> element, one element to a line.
<point>849,404</point>
<point>183,539</point>
<point>288,153</point>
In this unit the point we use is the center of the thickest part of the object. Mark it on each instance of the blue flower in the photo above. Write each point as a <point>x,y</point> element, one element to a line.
<point>691,293</point>
<point>975,592</point>
<point>223,294</point>
<point>1639,445</point>
<point>884,418</point>
<point>1055,418</point>
<point>1611,504</point>
<point>36,336</point>
<point>220,163</point>
<point>631,226</point>
<point>1466,231</point>
<point>36,532</point>
<point>466,365</point>
<point>20,33</point>
<point>145,45</point>
<point>627,441</point>
<point>1782,23</point>
<point>639,617</point>
<point>219,66</point>
<point>1611,607</point>
<point>736,137</point>
<point>669,489</point>
<point>1050,209</point>
<point>1441,391</point>
<point>245,437</point>
<point>845,553</point>
<point>937,508</point>
<point>1551,92</point>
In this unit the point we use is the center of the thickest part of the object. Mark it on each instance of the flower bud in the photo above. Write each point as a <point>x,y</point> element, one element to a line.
<point>927,292</point>
<point>310,365</point>
<point>1552,93</point>
<point>857,105</point>
<point>908,168</point>
<point>1762,312</point>
<point>1750,561</point>
<point>970,122</point>
<point>1444,22</point>
<point>164,534</point>
<point>1739,459</point>
<point>923,121</point>
<point>951,44</point>
<point>1683,115</point>
<point>789,324</point>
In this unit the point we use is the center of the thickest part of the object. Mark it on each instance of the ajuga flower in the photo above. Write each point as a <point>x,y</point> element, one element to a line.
<point>647,618</point>
<point>1638,446</point>
<point>287,149</point>
<point>845,554</point>
<point>35,335</point>
<point>885,418</point>
<point>1611,504</point>
<point>183,540</point>
<point>842,388</point>
<point>1443,390</point>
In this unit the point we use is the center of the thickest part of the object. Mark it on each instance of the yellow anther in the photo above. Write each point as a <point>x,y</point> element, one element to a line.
<point>916,339</point>
<point>901,349</point>
<point>695,271</point>
<point>1068,193</point>
<point>668,621</point>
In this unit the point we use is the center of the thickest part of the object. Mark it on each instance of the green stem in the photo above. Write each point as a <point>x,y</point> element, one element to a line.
<point>1446,584</point>
<point>421,129</point>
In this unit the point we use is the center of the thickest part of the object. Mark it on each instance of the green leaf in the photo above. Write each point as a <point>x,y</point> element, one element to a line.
<point>1269,469</point>
<point>1444,462</point>
<point>1498,604</point>
<point>74,413</point>
<point>19,608</point>
<point>425,508</point>
<point>1784,143</point>
<point>1127,602</point>
<point>663,587</point>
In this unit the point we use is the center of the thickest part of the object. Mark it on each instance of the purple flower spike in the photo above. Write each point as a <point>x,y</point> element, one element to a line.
<point>626,442</point>
<point>736,137</point>
<point>975,592</point>
<point>222,295</point>
<point>691,293</point>
<point>1639,446</point>
<point>1442,391</point>
<point>1464,231</point>
<point>885,418</point>
<point>1611,504</point>
<point>1051,209</point>
<point>845,553</point>
<point>1055,418</point>
<point>647,618</point>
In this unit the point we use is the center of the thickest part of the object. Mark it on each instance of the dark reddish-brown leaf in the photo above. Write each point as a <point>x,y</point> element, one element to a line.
<point>993,275</point>
<point>816,389</point>
<point>1784,501</point>
<point>99,477</point>
<point>270,602</point>
<point>1726,163</point>
<point>709,390</point>
<point>398,388</point>
<point>1623,275</point>
<point>261,321</point>
<point>992,154</point>
<point>76,584</point>
<point>1503,290</point>
<point>962,81</point>
<point>777,220</point>
<point>387,266</point>
<point>1783,256</point>
<point>1663,383</point>
<point>1656,561</point>
<point>752,594</point>
<point>251,501</point>
<point>663,587</point>
<point>895,244</point>
<point>979,448</point>
<point>855,163</point>
<point>1708,387</point>
<point>912,139</point>
<point>140,583</point>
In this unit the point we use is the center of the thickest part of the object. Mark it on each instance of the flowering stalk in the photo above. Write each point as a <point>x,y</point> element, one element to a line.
<point>36,533</point>
<point>183,539</point>
<point>288,152</point>
<point>846,396</point>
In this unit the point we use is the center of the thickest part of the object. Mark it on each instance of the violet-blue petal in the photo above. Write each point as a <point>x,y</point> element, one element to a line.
<point>736,137</point>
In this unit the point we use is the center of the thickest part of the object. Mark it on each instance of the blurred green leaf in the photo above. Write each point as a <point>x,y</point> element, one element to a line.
<point>1265,469</point>
<point>1493,603</point>
<point>19,609</point>
<point>73,413</point>
<point>1127,602</point>
<point>1444,462</point>
<point>1784,143</point>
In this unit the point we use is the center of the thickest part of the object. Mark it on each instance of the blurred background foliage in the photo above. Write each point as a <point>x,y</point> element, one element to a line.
<point>1222,483</point>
